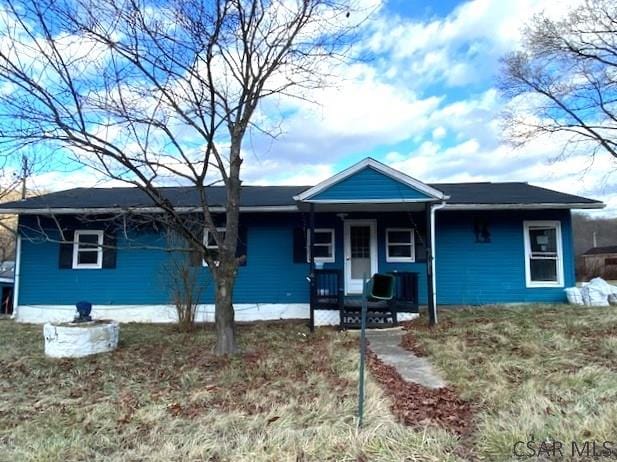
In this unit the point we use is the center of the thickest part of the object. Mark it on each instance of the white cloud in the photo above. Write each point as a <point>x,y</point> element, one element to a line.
<point>439,132</point>
<point>78,178</point>
<point>535,163</point>
<point>358,112</point>
<point>422,92</point>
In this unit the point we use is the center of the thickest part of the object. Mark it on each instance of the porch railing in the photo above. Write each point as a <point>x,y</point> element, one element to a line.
<point>405,292</point>
<point>327,292</point>
<point>327,289</point>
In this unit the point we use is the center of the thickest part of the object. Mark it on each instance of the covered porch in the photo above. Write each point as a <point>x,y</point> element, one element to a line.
<point>370,219</point>
<point>327,294</point>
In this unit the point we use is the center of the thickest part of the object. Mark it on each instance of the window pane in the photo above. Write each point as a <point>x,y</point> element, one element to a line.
<point>323,237</point>
<point>543,240</point>
<point>323,251</point>
<point>399,237</point>
<point>400,251</point>
<point>87,258</point>
<point>212,241</point>
<point>88,241</point>
<point>360,237</point>
<point>543,270</point>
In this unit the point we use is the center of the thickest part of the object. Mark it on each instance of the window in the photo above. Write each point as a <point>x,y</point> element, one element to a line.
<point>400,245</point>
<point>88,249</point>
<point>324,245</point>
<point>210,243</point>
<point>482,231</point>
<point>543,254</point>
<point>610,261</point>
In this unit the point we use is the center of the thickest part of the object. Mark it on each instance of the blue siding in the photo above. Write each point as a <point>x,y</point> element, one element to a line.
<point>270,275</point>
<point>467,272</point>
<point>368,183</point>
<point>475,273</point>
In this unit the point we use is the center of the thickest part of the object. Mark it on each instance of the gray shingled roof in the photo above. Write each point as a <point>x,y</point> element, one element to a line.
<point>506,193</point>
<point>601,250</point>
<point>253,196</point>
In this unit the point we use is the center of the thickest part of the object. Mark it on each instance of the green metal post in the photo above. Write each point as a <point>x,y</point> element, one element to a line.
<point>362,352</point>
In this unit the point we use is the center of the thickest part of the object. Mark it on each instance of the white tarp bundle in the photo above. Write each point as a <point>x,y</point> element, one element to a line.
<point>596,292</point>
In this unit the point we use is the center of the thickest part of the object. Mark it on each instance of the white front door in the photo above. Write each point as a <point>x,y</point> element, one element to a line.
<point>360,253</point>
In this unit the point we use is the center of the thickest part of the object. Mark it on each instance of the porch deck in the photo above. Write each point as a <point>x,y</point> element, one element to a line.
<point>327,293</point>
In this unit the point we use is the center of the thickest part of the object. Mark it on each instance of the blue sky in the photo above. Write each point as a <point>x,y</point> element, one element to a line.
<point>425,103</point>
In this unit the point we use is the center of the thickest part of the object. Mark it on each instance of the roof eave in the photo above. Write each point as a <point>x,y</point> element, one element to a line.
<point>137,210</point>
<point>540,205</point>
<point>372,201</point>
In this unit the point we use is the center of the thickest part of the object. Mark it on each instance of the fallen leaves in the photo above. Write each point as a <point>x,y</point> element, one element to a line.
<point>410,343</point>
<point>418,406</point>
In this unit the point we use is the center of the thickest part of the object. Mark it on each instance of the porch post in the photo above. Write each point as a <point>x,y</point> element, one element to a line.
<point>312,265</point>
<point>430,302</point>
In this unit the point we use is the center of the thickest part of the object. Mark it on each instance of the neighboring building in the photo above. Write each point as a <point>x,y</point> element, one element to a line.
<point>492,243</point>
<point>7,271</point>
<point>601,261</point>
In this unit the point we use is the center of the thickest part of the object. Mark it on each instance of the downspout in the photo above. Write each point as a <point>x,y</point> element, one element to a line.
<point>433,209</point>
<point>312,266</point>
<point>16,275</point>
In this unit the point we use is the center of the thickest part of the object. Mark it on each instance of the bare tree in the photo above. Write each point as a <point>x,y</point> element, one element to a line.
<point>182,280</point>
<point>157,92</point>
<point>564,80</point>
<point>12,187</point>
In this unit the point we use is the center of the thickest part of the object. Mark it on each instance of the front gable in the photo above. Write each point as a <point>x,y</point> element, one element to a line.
<point>368,184</point>
<point>371,181</point>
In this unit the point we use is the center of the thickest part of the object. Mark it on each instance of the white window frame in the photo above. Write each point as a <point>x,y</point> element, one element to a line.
<point>332,244</point>
<point>527,226</point>
<point>214,246</point>
<point>98,250</point>
<point>412,244</point>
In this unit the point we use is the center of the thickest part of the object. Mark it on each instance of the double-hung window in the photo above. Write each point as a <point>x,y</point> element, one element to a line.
<point>324,245</point>
<point>400,245</point>
<point>543,254</point>
<point>88,249</point>
<point>210,243</point>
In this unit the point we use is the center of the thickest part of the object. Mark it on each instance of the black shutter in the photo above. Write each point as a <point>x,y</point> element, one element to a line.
<point>109,251</point>
<point>420,245</point>
<point>65,261</point>
<point>299,245</point>
<point>196,257</point>
<point>242,245</point>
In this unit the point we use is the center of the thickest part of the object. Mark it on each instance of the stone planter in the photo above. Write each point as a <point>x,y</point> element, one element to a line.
<point>74,340</point>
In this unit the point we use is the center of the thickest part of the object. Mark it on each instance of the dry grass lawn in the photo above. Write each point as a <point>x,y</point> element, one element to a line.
<point>162,397</point>
<point>536,372</point>
<point>529,372</point>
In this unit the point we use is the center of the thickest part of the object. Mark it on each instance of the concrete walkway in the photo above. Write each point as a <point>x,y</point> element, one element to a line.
<point>386,344</point>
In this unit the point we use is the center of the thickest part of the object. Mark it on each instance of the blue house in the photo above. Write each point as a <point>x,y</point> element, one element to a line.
<point>307,248</point>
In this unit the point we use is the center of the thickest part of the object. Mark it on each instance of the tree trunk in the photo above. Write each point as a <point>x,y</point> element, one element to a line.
<point>224,315</point>
<point>226,272</point>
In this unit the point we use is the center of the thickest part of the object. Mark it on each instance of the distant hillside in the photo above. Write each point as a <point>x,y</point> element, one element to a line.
<point>8,224</point>
<point>584,228</point>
